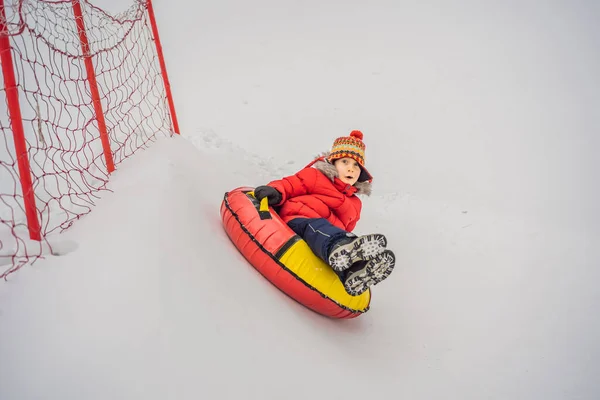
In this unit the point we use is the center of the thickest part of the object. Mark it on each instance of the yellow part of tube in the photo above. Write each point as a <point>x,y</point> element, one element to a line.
<point>300,259</point>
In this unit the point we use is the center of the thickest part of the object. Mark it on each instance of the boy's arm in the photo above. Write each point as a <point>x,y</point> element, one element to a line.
<point>298,184</point>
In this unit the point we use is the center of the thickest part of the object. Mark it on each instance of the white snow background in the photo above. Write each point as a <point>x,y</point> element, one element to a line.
<point>482,130</point>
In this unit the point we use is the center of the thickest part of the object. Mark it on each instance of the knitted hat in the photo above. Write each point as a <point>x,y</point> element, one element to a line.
<point>353,147</point>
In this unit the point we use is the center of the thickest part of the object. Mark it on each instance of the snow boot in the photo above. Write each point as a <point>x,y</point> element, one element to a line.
<point>364,274</point>
<point>348,251</point>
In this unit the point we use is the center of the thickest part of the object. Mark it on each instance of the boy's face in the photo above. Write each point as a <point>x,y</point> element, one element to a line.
<point>348,170</point>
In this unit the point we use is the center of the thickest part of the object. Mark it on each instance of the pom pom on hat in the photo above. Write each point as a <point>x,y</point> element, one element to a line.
<point>357,134</point>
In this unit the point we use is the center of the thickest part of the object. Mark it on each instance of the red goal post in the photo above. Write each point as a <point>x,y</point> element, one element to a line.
<point>81,90</point>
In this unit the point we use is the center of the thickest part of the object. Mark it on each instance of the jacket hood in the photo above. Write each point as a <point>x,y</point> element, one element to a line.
<point>362,188</point>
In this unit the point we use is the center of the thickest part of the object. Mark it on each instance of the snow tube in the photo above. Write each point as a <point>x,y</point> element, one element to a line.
<point>282,257</point>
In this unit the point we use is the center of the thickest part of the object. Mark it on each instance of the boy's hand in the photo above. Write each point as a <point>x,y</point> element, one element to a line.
<point>267,191</point>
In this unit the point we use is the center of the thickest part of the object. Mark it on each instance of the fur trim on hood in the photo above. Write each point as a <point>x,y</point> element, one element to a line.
<point>363,188</point>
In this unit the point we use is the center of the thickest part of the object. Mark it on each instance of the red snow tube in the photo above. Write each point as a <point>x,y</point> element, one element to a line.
<point>282,257</point>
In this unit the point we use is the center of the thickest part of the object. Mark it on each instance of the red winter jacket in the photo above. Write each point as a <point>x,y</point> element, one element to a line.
<point>317,192</point>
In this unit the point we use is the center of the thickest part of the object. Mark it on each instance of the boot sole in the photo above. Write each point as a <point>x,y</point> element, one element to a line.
<point>375,271</point>
<point>364,248</point>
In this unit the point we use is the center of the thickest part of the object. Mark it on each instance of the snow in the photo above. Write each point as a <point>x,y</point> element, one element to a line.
<point>480,121</point>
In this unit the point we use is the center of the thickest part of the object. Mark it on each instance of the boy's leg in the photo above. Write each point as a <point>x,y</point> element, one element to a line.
<point>348,251</point>
<point>356,269</point>
<point>363,274</point>
<point>319,234</point>
<point>335,246</point>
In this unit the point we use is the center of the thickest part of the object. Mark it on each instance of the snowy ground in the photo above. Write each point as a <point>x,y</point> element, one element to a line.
<point>481,129</point>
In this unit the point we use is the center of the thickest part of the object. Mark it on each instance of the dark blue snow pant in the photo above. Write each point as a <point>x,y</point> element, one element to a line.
<point>319,234</point>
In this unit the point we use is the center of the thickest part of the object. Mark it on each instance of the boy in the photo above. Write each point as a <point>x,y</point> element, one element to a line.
<point>320,204</point>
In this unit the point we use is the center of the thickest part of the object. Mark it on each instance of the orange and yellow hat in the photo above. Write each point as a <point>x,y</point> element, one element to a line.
<point>353,147</point>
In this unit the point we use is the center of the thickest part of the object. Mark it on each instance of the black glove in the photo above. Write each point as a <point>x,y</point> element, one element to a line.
<point>267,191</point>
